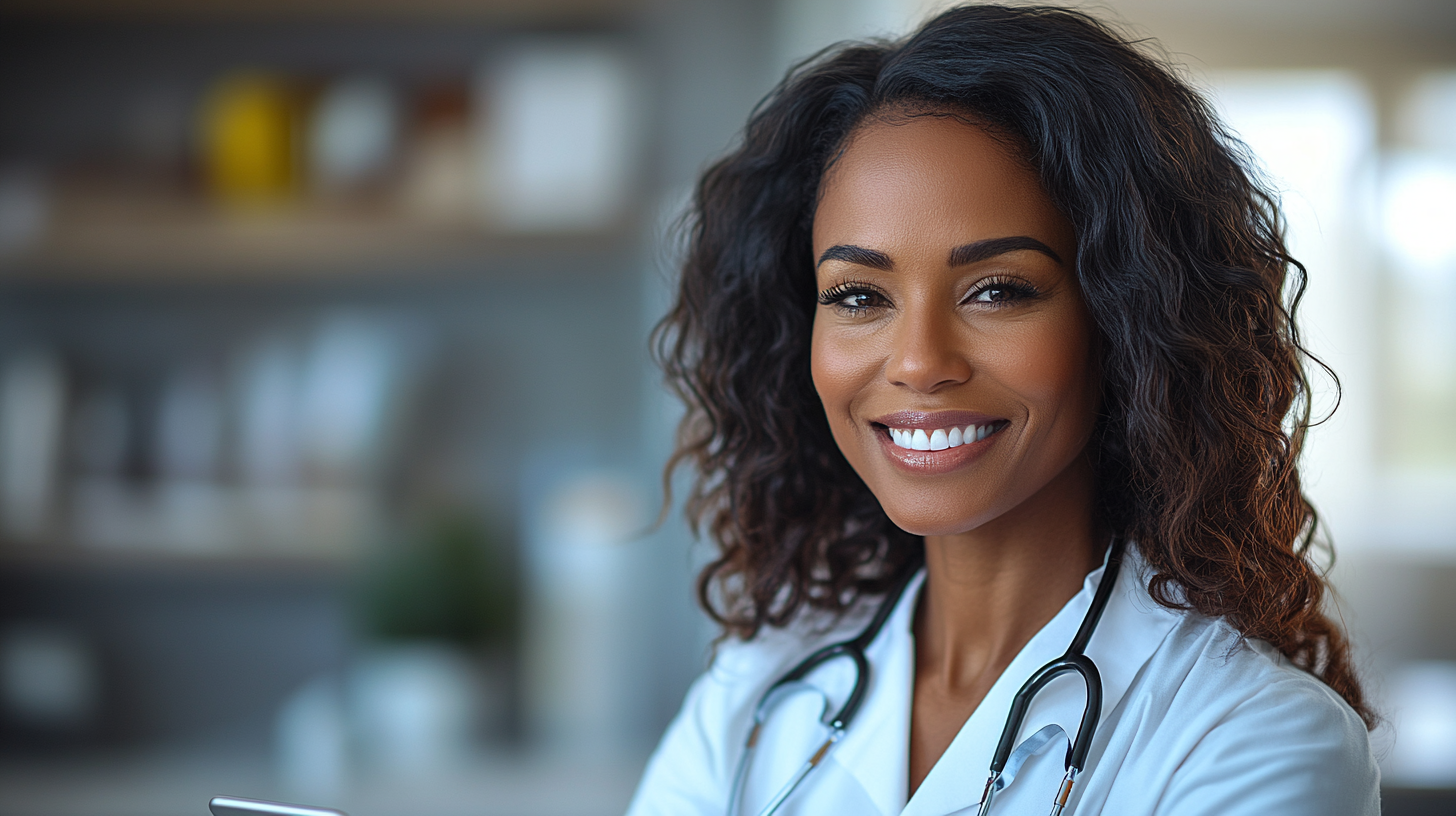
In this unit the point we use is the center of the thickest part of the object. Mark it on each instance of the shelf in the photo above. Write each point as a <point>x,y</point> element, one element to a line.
<point>119,233</point>
<point>61,559</point>
<point>504,11</point>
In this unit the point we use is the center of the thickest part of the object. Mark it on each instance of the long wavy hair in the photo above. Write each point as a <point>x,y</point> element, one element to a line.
<point>1183,266</point>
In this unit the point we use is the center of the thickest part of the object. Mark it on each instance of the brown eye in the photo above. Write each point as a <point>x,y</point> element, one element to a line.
<point>1001,293</point>
<point>852,299</point>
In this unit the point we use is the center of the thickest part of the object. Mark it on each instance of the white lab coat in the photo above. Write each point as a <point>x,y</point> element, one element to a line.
<point>1194,721</point>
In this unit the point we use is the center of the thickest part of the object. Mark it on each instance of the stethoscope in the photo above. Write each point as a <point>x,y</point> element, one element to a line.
<point>1006,762</point>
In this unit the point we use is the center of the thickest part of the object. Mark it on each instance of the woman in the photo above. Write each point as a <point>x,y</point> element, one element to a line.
<point>1001,300</point>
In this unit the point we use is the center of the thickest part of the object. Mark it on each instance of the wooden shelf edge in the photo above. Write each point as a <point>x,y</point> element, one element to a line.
<point>59,558</point>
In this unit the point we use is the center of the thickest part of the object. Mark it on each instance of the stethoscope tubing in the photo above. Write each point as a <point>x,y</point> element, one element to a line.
<point>854,649</point>
<point>1074,660</point>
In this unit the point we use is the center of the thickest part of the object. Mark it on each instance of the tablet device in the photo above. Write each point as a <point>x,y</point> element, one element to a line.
<point>233,806</point>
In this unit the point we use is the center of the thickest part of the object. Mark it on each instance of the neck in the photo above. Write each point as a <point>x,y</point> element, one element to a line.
<point>989,590</point>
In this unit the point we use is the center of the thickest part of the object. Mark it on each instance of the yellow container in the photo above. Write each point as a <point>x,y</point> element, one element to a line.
<point>250,126</point>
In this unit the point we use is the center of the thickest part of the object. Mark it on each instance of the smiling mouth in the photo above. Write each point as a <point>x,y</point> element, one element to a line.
<point>943,438</point>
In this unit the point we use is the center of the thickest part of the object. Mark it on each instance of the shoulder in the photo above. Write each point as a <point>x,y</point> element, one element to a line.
<point>1233,677</point>
<point>691,771</point>
<point>1204,669</point>
<point>1255,733</point>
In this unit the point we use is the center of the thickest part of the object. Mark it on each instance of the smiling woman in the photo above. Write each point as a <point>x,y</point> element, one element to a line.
<point>961,310</point>
<point>954,310</point>
<point>965,316</point>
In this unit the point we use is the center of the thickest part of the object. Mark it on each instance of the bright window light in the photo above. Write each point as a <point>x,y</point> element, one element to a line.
<point>1312,133</point>
<point>1418,216</point>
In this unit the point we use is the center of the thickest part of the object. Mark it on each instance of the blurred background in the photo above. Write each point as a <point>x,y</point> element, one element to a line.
<point>329,445</point>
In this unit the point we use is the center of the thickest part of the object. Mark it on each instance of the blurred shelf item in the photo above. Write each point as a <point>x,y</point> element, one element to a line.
<point>100,232</point>
<point>180,783</point>
<point>504,11</point>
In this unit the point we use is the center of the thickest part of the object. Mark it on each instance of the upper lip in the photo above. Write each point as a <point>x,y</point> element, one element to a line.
<point>931,420</point>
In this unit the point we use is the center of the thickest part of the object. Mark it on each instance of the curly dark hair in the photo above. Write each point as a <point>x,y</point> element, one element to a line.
<point>1182,263</point>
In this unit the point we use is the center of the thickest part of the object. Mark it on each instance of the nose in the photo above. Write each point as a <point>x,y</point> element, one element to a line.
<point>926,356</point>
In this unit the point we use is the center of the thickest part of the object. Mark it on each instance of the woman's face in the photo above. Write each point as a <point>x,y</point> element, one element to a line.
<point>952,348</point>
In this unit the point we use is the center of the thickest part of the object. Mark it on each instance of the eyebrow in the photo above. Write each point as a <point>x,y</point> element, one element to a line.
<point>857,255</point>
<point>960,256</point>
<point>991,247</point>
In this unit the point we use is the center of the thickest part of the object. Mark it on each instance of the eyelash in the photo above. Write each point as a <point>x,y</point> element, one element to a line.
<point>838,293</point>
<point>1019,289</point>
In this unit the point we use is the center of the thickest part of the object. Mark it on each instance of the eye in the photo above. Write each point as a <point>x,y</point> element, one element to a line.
<point>856,300</point>
<point>853,298</point>
<point>1001,292</point>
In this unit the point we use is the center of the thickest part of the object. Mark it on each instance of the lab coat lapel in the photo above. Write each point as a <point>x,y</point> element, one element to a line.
<point>1131,629</point>
<point>876,748</point>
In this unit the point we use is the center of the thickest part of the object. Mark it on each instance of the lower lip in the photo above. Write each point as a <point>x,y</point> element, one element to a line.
<point>928,462</point>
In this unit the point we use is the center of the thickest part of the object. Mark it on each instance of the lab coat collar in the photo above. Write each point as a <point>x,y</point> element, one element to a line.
<point>876,749</point>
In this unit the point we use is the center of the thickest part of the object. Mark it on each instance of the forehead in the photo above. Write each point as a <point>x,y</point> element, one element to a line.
<point>932,180</point>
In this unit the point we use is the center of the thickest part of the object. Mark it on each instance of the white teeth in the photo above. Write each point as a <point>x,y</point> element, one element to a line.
<point>940,438</point>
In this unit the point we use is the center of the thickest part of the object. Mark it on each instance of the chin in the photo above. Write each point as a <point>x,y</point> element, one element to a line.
<point>929,518</point>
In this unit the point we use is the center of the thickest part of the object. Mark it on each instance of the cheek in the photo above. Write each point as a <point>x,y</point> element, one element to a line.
<point>839,369</point>
<point>1051,368</point>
